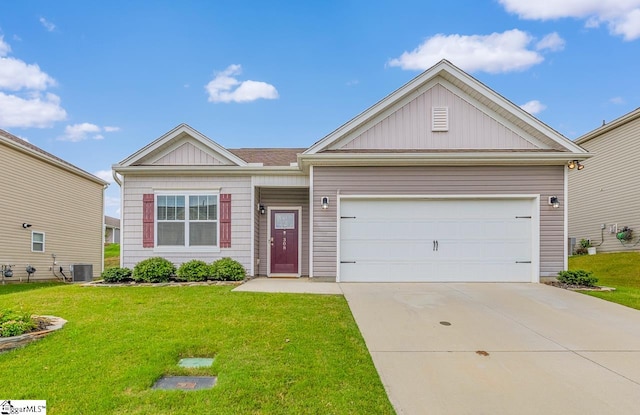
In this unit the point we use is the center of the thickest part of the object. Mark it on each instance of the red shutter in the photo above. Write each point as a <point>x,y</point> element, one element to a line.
<point>225,221</point>
<point>148,209</point>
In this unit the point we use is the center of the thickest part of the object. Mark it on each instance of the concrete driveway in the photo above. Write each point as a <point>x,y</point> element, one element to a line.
<point>509,348</point>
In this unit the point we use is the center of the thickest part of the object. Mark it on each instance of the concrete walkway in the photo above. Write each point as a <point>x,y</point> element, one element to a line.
<point>492,348</point>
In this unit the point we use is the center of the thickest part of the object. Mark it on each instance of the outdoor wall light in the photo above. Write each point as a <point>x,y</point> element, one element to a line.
<point>553,201</point>
<point>26,225</point>
<point>573,164</point>
<point>261,209</point>
<point>324,202</point>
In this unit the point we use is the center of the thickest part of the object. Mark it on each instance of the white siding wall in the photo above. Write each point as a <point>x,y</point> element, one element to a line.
<point>607,190</point>
<point>544,180</point>
<point>410,127</point>
<point>188,154</point>
<point>241,216</point>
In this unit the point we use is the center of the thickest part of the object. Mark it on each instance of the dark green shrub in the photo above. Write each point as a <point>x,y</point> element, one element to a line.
<point>154,269</point>
<point>116,274</point>
<point>13,323</point>
<point>577,277</point>
<point>227,269</point>
<point>194,270</point>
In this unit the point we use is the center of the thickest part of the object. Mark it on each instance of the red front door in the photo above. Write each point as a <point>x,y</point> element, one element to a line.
<point>284,242</point>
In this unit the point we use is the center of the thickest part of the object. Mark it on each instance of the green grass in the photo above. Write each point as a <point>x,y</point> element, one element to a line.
<point>111,255</point>
<point>619,270</point>
<point>274,353</point>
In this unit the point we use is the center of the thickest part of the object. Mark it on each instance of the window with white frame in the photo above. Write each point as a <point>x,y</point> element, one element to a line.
<point>37,241</point>
<point>187,220</point>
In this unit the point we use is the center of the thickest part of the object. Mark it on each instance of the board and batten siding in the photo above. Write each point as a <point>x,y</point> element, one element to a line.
<point>410,127</point>
<point>135,186</point>
<point>188,155</point>
<point>66,207</point>
<point>606,192</point>
<point>283,197</point>
<point>434,180</point>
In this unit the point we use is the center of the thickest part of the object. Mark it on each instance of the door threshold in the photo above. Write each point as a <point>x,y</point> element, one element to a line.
<point>284,276</point>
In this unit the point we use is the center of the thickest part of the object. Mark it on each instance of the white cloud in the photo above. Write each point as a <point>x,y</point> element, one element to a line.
<point>32,107</point>
<point>4,47</point>
<point>552,41</point>
<point>85,130</point>
<point>617,100</point>
<point>353,82</point>
<point>224,87</point>
<point>494,53</point>
<point>47,24</point>
<point>621,16</point>
<point>107,176</point>
<point>37,111</point>
<point>16,75</point>
<point>533,107</point>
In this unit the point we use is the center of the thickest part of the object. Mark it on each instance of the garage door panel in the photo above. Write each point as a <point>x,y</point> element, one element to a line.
<point>436,240</point>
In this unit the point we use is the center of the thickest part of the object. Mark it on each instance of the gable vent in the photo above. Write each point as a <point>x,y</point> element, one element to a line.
<point>440,119</point>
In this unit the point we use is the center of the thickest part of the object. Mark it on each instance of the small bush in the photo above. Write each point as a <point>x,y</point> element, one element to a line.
<point>227,269</point>
<point>116,274</point>
<point>577,277</point>
<point>194,270</point>
<point>14,324</point>
<point>154,269</point>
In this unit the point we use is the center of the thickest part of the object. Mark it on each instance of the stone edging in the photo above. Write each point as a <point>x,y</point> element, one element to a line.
<point>8,343</point>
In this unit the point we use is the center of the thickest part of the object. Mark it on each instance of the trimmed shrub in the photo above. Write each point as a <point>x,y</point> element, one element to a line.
<point>13,323</point>
<point>154,269</point>
<point>116,274</point>
<point>227,269</point>
<point>194,270</point>
<point>577,277</point>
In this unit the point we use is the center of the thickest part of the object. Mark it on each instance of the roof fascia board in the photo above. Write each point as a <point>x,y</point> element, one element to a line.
<point>208,170</point>
<point>608,127</point>
<point>453,158</point>
<point>40,156</point>
<point>167,137</point>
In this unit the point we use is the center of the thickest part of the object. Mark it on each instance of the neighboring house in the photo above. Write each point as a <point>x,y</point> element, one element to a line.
<point>111,230</point>
<point>51,213</point>
<point>443,180</point>
<point>605,196</point>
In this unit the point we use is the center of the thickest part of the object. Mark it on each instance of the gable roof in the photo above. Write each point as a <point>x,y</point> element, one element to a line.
<point>162,144</point>
<point>111,222</point>
<point>618,122</point>
<point>35,151</point>
<point>472,89</point>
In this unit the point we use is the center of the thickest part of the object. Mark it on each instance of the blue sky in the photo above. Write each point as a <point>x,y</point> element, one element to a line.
<point>92,82</point>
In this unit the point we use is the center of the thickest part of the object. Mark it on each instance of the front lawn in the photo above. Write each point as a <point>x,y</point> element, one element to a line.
<point>274,353</point>
<point>619,270</point>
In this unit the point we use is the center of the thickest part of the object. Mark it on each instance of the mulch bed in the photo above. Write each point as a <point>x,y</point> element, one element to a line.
<point>578,287</point>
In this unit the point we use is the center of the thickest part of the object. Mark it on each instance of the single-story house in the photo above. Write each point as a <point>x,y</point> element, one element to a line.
<point>111,230</point>
<point>442,180</point>
<point>605,194</point>
<point>51,216</point>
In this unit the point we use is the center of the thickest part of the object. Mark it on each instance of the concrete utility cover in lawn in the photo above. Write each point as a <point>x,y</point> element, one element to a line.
<point>193,362</point>
<point>185,383</point>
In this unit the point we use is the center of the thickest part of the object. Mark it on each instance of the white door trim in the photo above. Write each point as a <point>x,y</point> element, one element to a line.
<point>269,209</point>
<point>535,219</point>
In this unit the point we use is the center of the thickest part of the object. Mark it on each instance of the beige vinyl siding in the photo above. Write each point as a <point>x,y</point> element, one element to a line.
<point>135,186</point>
<point>256,231</point>
<point>410,127</point>
<point>64,206</point>
<point>606,191</point>
<point>291,197</point>
<point>477,180</point>
<point>297,180</point>
<point>188,154</point>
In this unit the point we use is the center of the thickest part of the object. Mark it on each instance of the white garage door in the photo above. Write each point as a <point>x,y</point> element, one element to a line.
<point>406,240</point>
